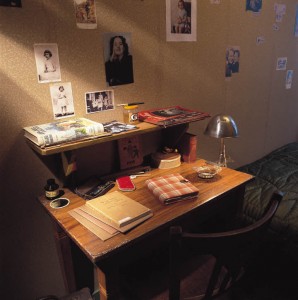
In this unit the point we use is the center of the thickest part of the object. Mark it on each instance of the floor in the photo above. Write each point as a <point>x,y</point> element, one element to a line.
<point>273,277</point>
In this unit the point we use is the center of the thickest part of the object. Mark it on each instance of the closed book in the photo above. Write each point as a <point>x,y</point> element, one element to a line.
<point>118,209</point>
<point>49,134</point>
<point>172,188</point>
<point>130,152</point>
<point>187,147</point>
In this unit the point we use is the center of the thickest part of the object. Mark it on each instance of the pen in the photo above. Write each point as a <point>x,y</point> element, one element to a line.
<point>132,103</point>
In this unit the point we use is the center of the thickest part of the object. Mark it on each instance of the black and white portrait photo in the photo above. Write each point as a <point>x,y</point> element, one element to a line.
<point>62,100</point>
<point>118,58</point>
<point>181,20</point>
<point>99,101</point>
<point>47,63</point>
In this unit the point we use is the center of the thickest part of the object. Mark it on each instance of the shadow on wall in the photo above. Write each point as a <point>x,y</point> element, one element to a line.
<point>30,254</point>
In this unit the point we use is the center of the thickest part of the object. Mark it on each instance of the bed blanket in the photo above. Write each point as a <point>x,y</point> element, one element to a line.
<point>275,171</point>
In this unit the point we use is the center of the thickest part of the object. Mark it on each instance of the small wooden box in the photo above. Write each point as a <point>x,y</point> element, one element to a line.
<point>166,160</point>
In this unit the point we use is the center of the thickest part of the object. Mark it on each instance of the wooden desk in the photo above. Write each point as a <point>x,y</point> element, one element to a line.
<point>224,191</point>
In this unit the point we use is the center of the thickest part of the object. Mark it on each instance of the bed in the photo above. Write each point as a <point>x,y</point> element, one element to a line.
<point>276,171</point>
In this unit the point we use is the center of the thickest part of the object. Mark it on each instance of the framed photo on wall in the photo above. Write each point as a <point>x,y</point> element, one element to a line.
<point>181,20</point>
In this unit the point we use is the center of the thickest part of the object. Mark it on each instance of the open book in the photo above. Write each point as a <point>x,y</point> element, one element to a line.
<point>64,131</point>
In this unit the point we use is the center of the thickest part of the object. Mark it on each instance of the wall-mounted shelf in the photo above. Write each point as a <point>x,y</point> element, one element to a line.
<point>143,127</point>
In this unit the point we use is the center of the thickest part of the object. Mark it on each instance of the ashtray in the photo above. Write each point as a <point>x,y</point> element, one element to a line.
<point>59,202</point>
<point>207,172</point>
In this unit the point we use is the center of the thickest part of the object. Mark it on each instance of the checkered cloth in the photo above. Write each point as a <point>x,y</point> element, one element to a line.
<point>171,188</point>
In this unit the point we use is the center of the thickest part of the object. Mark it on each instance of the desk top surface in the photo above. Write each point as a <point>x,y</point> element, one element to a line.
<point>96,249</point>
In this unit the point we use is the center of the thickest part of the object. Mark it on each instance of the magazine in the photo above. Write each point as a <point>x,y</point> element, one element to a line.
<point>171,116</point>
<point>64,131</point>
<point>117,127</point>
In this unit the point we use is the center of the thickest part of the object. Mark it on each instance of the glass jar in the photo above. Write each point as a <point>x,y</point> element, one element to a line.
<point>130,114</point>
<point>51,189</point>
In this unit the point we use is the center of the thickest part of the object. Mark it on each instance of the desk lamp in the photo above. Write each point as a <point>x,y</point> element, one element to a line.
<point>222,126</point>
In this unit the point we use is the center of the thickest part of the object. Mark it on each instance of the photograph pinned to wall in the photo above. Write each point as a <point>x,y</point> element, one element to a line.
<point>11,3</point>
<point>47,63</point>
<point>62,100</point>
<point>275,27</point>
<point>260,40</point>
<point>281,63</point>
<point>99,101</point>
<point>118,58</point>
<point>181,20</point>
<point>85,11</point>
<point>254,5</point>
<point>232,60</point>
<point>289,79</point>
<point>296,22</point>
<point>280,11</point>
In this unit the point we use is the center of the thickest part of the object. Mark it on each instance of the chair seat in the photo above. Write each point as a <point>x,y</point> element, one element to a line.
<point>197,265</point>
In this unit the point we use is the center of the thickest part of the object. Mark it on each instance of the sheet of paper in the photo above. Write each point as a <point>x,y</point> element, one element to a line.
<point>100,229</point>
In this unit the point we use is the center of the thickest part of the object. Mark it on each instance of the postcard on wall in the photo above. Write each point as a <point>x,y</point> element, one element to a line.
<point>118,58</point>
<point>99,101</point>
<point>296,22</point>
<point>62,100</point>
<point>260,40</point>
<point>47,62</point>
<point>281,63</point>
<point>275,27</point>
<point>289,79</point>
<point>11,3</point>
<point>232,60</point>
<point>181,20</point>
<point>85,11</point>
<point>280,11</point>
<point>254,5</point>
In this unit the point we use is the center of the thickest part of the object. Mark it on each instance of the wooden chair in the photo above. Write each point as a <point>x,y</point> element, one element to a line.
<point>201,265</point>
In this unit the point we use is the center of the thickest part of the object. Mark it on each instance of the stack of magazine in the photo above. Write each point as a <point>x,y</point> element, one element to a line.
<point>58,132</point>
<point>171,116</point>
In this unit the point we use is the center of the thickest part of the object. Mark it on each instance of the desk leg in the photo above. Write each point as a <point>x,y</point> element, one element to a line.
<point>108,282</point>
<point>63,245</point>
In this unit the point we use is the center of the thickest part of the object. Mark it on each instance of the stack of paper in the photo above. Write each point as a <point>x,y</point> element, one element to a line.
<point>111,214</point>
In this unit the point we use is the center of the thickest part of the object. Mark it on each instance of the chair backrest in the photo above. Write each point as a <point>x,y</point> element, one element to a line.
<point>232,250</point>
